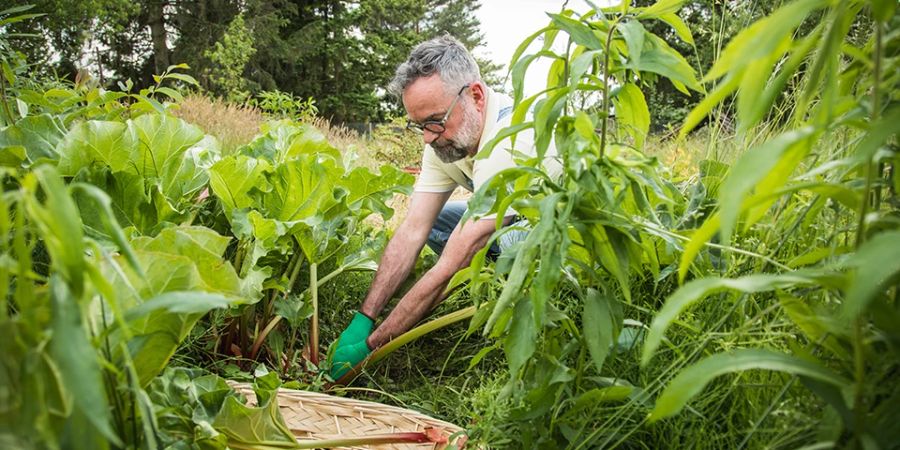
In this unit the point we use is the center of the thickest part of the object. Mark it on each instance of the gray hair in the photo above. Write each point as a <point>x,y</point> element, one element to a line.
<point>445,56</point>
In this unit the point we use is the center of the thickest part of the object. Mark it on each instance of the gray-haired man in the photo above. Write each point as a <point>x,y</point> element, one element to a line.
<point>446,100</point>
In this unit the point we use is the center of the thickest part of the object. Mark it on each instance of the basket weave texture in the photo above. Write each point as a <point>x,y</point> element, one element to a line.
<point>314,416</point>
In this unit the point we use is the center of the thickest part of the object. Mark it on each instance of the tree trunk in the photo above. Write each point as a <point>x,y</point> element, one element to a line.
<point>156,21</point>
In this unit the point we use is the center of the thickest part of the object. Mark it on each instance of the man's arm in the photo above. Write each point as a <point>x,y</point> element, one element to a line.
<point>464,242</point>
<point>400,255</point>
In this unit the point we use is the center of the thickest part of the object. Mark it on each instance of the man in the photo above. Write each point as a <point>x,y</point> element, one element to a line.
<point>446,100</point>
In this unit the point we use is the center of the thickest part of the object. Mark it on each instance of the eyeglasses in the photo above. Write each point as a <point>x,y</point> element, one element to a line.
<point>436,126</point>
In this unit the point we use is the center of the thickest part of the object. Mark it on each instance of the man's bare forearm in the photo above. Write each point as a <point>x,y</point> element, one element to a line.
<point>397,261</point>
<point>429,290</point>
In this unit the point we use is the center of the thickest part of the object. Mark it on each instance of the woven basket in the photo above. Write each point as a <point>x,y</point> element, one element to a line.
<point>314,416</point>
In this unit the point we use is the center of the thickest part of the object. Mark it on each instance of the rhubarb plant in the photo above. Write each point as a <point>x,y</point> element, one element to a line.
<point>289,196</point>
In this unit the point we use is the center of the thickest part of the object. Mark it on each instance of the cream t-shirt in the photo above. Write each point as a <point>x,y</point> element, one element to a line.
<point>471,173</point>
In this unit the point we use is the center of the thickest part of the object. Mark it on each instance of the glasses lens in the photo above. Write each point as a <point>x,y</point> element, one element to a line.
<point>434,127</point>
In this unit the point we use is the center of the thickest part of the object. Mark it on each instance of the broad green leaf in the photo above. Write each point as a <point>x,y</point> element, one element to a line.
<point>681,29</point>
<point>96,142</point>
<point>520,344</point>
<point>597,238</point>
<point>521,67</point>
<point>368,192</point>
<point>580,32</point>
<point>183,77</point>
<point>161,144</point>
<point>632,113</point>
<point>633,32</point>
<point>580,65</point>
<point>660,8</point>
<point>813,326</point>
<point>692,380</point>
<point>232,179</point>
<point>254,427</point>
<point>285,140</point>
<point>38,135</point>
<point>523,263</point>
<point>754,167</point>
<point>600,325</point>
<point>658,57</point>
<point>72,351</point>
<point>204,248</point>
<point>184,302</point>
<point>12,156</point>
<point>699,289</point>
<point>877,267</point>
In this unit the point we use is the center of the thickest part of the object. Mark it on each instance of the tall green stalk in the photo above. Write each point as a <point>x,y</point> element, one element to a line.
<point>314,323</point>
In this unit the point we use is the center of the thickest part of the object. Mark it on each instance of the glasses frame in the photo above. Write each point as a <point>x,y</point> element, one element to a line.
<point>437,126</point>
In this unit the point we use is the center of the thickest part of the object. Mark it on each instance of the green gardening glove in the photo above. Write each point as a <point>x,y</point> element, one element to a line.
<point>347,356</point>
<point>359,329</point>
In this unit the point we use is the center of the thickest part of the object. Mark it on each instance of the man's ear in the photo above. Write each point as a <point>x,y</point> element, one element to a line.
<point>479,94</point>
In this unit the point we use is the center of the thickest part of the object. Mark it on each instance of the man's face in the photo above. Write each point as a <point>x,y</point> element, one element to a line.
<point>426,99</point>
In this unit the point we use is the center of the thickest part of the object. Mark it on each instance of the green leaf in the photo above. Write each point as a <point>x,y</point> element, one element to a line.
<point>692,380</point>
<point>254,427</point>
<point>660,8</point>
<point>184,302</point>
<point>232,179</point>
<point>38,135</point>
<point>580,65</point>
<point>697,290</point>
<point>632,113</point>
<point>601,325</point>
<point>580,32</point>
<point>61,228</point>
<point>762,39</point>
<point>681,29</point>
<point>633,32</point>
<point>99,142</point>
<point>755,166</point>
<point>77,358</point>
<point>183,77</point>
<point>722,90</point>
<point>520,344</point>
<point>877,267</point>
<point>658,57</point>
<point>368,192</point>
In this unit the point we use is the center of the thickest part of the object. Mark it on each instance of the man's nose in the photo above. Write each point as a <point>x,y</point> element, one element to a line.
<point>429,136</point>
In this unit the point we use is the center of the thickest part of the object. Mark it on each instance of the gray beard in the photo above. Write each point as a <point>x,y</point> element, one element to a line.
<point>450,152</point>
<point>466,139</point>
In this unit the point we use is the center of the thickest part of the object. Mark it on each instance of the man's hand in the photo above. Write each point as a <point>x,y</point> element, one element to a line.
<point>348,356</point>
<point>359,329</point>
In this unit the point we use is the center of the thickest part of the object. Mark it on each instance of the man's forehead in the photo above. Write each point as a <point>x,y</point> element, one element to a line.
<point>425,97</point>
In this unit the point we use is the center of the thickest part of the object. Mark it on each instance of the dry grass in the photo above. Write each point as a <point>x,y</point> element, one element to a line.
<point>233,125</point>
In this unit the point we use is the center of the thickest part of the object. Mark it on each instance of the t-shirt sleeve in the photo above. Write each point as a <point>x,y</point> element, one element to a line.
<point>433,178</point>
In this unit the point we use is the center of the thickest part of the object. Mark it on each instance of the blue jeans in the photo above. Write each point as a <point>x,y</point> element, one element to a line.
<point>448,219</point>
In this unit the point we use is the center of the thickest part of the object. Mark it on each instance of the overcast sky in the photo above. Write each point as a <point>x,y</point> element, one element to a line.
<point>506,23</point>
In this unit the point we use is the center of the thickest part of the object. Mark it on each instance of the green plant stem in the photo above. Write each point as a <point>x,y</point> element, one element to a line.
<point>275,320</point>
<point>859,349</point>
<point>314,323</point>
<point>605,124</point>
<point>406,338</point>
<point>6,110</point>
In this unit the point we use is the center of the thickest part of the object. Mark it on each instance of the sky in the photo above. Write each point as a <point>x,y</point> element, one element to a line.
<point>506,23</point>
